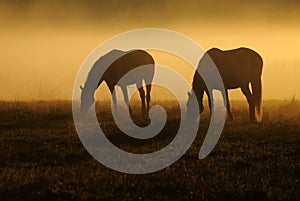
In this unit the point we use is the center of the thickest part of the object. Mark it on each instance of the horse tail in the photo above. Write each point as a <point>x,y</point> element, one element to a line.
<point>257,97</point>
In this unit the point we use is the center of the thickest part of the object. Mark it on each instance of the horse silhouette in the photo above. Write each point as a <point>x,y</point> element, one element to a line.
<point>238,68</point>
<point>119,63</point>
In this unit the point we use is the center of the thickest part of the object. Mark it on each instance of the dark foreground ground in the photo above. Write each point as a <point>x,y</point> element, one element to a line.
<point>42,158</point>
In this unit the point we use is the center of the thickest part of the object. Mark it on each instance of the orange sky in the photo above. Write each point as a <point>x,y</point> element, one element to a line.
<point>43,43</point>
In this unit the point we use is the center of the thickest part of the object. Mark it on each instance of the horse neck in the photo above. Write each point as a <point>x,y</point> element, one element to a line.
<point>199,92</point>
<point>92,85</point>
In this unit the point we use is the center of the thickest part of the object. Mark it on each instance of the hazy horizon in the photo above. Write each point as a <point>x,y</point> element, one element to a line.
<point>44,43</point>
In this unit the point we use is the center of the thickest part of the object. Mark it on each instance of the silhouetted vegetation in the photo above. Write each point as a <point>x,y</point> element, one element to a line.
<point>42,158</point>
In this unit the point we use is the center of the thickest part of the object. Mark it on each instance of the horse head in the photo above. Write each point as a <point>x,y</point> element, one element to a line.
<point>87,99</point>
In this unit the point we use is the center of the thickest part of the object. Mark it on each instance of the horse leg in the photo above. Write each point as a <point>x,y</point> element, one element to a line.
<point>142,96</point>
<point>126,99</point>
<point>148,98</point>
<point>210,103</point>
<point>249,97</point>
<point>114,98</point>
<point>228,105</point>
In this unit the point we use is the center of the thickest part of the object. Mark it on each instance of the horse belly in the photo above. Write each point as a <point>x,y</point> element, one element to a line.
<point>235,78</point>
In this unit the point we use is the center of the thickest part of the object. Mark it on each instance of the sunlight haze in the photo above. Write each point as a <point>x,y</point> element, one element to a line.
<point>44,43</point>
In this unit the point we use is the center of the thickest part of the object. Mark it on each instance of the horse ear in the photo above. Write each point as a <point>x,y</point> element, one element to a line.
<point>81,87</point>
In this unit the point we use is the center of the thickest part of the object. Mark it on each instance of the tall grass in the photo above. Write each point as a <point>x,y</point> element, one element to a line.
<point>42,157</point>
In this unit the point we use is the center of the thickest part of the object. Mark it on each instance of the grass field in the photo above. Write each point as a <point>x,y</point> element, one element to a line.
<point>42,158</point>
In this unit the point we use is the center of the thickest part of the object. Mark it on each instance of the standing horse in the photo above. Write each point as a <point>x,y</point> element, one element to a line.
<point>119,63</point>
<point>238,68</point>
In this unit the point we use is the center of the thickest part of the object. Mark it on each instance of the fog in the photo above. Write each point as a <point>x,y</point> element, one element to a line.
<point>43,43</point>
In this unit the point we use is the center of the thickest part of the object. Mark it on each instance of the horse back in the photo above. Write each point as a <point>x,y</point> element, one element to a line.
<point>127,62</point>
<point>240,59</point>
<point>237,67</point>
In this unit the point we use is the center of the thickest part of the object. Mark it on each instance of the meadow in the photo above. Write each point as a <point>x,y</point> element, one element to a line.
<point>42,158</point>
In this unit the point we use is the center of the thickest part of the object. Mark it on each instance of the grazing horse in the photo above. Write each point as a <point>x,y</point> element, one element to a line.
<point>119,63</point>
<point>238,68</point>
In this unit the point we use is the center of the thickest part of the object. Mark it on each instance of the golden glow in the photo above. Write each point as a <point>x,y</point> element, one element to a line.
<point>40,58</point>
